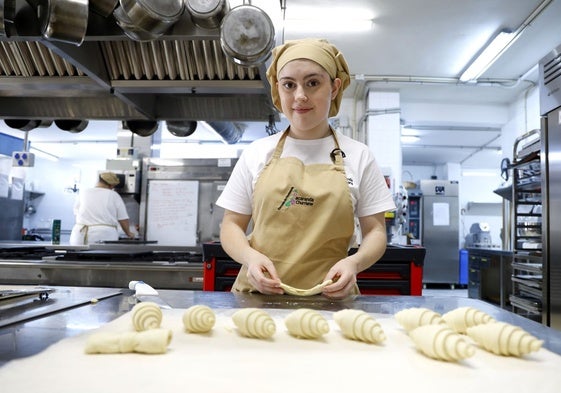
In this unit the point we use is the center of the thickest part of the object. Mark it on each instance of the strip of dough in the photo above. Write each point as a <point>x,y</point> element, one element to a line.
<point>305,292</point>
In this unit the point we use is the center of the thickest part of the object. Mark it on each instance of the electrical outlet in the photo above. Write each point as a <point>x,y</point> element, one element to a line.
<point>23,159</point>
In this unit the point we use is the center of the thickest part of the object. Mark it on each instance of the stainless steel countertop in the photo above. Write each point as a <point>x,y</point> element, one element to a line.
<point>32,336</point>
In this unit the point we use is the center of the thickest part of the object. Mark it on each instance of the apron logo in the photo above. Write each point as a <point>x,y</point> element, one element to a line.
<point>292,198</point>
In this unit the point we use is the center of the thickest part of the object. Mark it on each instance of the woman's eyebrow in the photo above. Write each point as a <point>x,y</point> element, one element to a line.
<point>313,75</point>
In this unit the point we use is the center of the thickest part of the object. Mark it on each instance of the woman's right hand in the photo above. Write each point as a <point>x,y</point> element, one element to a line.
<point>262,275</point>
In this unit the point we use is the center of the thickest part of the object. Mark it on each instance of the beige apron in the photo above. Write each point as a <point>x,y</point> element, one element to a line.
<point>303,218</point>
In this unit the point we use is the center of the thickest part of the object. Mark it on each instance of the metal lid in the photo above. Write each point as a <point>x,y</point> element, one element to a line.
<point>247,35</point>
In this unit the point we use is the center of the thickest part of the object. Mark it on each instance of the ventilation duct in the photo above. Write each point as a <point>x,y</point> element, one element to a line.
<point>230,132</point>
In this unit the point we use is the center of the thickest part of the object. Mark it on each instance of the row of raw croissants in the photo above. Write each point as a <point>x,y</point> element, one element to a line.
<point>448,337</point>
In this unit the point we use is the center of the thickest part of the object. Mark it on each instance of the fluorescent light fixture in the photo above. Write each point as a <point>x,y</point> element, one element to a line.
<point>409,132</point>
<point>409,139</point>
<point>327,19</point>
<point>322,26</point>
<point>480,173</point>
<point>490,54</point>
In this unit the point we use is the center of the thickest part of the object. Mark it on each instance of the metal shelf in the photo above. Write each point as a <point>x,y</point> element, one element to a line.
<point>527,266</point>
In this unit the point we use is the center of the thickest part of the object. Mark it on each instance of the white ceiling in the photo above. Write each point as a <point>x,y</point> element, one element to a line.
<point>410,40</point>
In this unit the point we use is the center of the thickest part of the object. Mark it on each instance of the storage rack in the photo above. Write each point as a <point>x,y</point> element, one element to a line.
<point>527,296</point>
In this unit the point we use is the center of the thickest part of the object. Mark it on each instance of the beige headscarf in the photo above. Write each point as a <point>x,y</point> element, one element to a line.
<point>109,178</point>
<point>318,50</point>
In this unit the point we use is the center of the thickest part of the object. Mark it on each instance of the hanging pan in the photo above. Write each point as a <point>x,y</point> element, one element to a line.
<point>7,16</point>
<point>247,35</point>
<point>64,20</point>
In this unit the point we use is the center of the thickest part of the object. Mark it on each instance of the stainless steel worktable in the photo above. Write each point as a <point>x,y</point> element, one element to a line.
<point>35,331</point>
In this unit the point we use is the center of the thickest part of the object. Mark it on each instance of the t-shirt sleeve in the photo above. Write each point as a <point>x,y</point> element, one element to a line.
<point>122,213</point>
<point>375,196</point>
<point>238,192</point>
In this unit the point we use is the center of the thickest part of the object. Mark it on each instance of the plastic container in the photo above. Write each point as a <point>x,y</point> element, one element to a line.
<point>55,235</point>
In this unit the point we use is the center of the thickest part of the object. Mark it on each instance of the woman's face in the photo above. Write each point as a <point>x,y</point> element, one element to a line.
<point>306,91</point>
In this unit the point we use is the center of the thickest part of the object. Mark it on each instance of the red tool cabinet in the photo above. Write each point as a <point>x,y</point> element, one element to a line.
<point>398,272</point>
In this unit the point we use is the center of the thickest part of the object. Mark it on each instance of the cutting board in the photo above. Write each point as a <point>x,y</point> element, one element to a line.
<point>223,361</point>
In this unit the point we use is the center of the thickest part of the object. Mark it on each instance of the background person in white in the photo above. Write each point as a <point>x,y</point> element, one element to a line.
<point>99,212</point>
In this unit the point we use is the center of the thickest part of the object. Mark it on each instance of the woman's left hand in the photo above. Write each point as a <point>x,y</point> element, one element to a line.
<point>343,274</point>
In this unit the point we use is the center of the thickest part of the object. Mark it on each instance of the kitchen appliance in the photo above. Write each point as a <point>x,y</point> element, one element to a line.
<point>550,109</point>
<point>110,73</point>
<point>440,228</point>
<point>479,235</point>
<point>398,272</point>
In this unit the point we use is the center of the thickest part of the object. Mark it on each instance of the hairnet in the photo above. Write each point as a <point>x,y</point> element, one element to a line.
<point>318,50</point>
<point>109,178</point>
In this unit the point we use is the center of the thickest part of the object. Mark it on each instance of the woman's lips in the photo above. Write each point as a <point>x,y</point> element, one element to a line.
<point>302,110</point>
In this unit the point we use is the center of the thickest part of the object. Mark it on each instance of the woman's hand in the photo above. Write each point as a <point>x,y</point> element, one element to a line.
<point>261,273</point>
<point>343,274</point>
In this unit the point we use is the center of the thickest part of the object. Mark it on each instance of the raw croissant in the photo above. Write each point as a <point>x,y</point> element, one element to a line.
<point>504,339</point>
<point>359,325</point>
<point>149,341</point>
<point>413,317</point>
<point>306,323</point>
<point>442,343</point>
<point>254,322</point>
<point>461,318</point>
<point>198,319</point>
<point>146,315</point>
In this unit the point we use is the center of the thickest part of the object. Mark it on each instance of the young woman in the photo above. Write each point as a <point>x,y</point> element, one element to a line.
<point>303,188</point>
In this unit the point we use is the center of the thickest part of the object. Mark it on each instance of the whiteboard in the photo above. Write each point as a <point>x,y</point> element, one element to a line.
<point>172,208</point>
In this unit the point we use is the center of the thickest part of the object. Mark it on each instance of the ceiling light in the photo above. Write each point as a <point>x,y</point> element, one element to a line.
<point>322,26</point>
<point>489,55</point>
<point>409,132</point>
<point>327,20</point>
<point>409,139</point>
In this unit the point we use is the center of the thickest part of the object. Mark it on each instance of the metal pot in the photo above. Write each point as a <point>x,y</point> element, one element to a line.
<point>7,16</point>
<point>64,20</point>
<point>141,127</point>
<point>181,128</point>
<point>130,29</point>
<point>207,13</point>
<point>103,7</point>
<point>247,35</point>
<point>153,16</point>
<point>27,124</point>
<point>74,126</point>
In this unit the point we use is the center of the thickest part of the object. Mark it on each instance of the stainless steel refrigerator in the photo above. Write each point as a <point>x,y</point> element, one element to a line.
<point>440,223</point>
<point>550,109</point>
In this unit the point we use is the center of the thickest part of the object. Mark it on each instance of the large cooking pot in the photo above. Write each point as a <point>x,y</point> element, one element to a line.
<point>130,29</point>
<point>27,124</point>
<point>74,126</point>
<point>247,35</point>
<point>207,13</point>
<point>141,127</point>
<point>181,128</point>
<point>103,7</point>
<point>7,16</point>
<point>153,16</point>
<point>64,20</point>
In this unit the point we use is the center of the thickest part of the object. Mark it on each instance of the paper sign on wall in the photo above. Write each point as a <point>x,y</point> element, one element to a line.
<point>441,214</point>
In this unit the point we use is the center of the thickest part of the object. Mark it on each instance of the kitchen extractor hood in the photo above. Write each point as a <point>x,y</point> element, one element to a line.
<point>184,75</point>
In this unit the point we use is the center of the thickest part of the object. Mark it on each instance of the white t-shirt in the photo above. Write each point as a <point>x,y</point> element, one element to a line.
<point>369,191</point>
<point>100,206</point>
